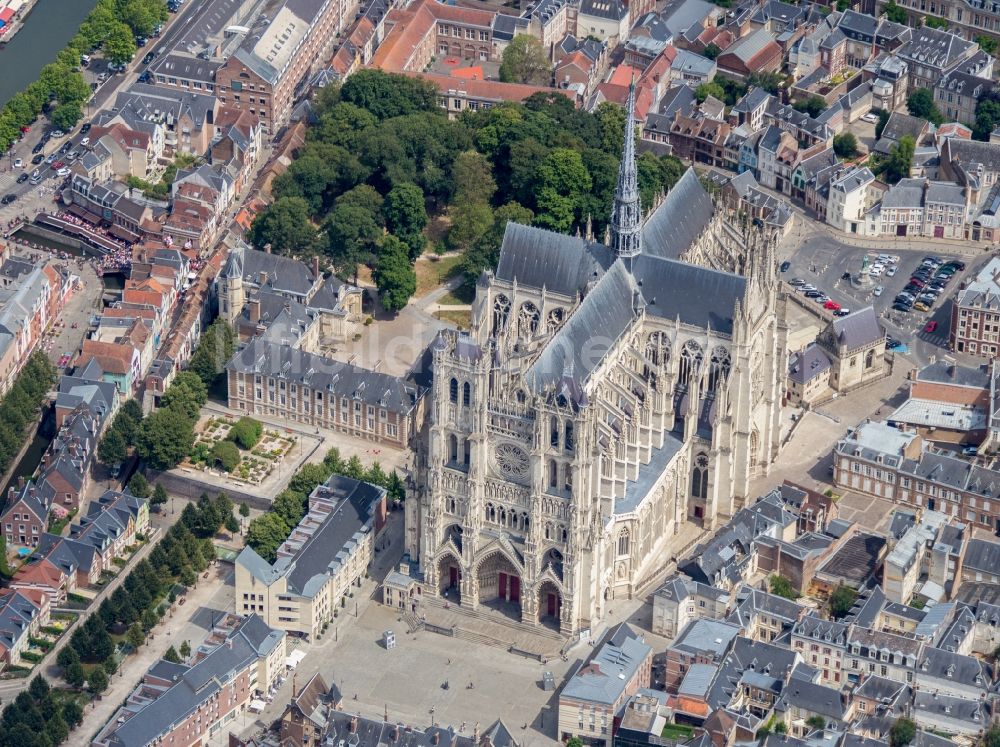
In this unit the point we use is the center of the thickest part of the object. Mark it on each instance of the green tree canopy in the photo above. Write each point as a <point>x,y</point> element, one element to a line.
<point>920,103</point>
<point>285,225</point>
<point>112,449</point>
<point>895,13</point>
<point>783,587</point>
<point>265,535</point>
<point>845,145</point>
<point>226,455</point>
<point>394,275</point>
<point>897,165</point>
<point>172,656</point>
<point>813,106</point>
<point>186,394</point>
<point>711,88</point>
<point>119,46</point>
<point>97,680</point>
<point>166,438</point>
<point>246,432</point>
<point>406,216</point>
<point>524,61</point>
<point>138,486</point>
<point>902,732</point>
<point>841,601</point>
<point>388,95</point>
<point>215,349</point>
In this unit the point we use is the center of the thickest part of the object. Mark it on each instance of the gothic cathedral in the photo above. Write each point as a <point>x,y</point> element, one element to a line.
<point>609,402</point>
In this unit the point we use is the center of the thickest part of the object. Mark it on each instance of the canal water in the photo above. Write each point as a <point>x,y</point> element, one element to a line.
<point>49,26</point>
<point>36,449</point>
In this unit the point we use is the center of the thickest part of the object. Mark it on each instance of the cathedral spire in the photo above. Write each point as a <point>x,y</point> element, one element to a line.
<point>626,218</point>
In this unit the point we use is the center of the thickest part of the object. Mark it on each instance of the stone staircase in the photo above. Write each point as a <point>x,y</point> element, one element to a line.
<point>413,623</point>
<point>495,618</point>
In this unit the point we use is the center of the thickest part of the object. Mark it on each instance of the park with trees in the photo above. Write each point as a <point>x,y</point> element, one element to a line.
<point>383,162</point>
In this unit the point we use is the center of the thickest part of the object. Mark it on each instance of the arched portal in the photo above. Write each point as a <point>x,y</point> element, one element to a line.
<point>450,578</point>
<point>549,605</point>
<point>499,585</point>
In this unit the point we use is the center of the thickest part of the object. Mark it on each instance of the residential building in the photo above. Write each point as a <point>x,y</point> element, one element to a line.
<point>324,556</point>
<point>931,53</point>
<point>920,207</point>
<point>906,559</point>
<point>975,314</point>
<point>598,688</point>
<point>702,641</point>
<point>185,703</point>
<point>755,52</point>
<point>282,49</point>
<point>851,195</point>
<point>680,600</point>
<point>948,403</point>
<point>958,93</point>
<point>23,613</point>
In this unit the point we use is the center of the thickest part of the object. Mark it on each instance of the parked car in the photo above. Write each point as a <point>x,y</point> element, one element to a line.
<point>64,171</point>
<point>870,118</point>
<point>796,282</point>
<point>149,57</point>
<point>85,141</point>
<point>52,158</point>
<point>39,147</point>
<point>970,451</point>
<point>900,306</point>
<point>831,305</point>
<point>842,312</point>
<point>7,199</point>
<point>846,276</point>
<point>58,165</point>
<point>930,326</point>
<point>814,293</point>
<point>921,306</point>
<point>807,287</point>
<point>18,163</point>
<point>57,133</point>
<point>926,298</point>
<point>917,282</point>
<point>890,272</point>
<point>878,291</point>
<point>785,265</point>
<point>86,128</point>
<point>23,177</point>
<point>36,179</point>
<point>38,159</point>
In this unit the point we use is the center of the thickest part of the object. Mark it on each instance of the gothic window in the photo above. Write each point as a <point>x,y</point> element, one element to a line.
<point>449,504</point>
<point>554,432</point>
<point>511,461</point>
<point>525,522</point>
<point>466,393</point>
<point>699,477</point>
<point>623,541</point>
<point>869,359</point>
<point>568,477</point>
<point>502,515</point>
<point>453,390</point>
<point>548,530</point>
<point>568,439</point>
<point>691,357</point>
<point>757,378</point>
<point>453,448</point>
<point>491,513</point>
<point>553,473</point>
<point>520,396</point>
<point>501,314</point>
<point>527,320</point>
<point>466,451</point>
<point>554,319</point>
<point>718,372</point>
<point>658,348</point>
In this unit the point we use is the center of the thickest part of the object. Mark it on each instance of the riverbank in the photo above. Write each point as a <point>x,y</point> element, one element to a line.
<point>21,9</point>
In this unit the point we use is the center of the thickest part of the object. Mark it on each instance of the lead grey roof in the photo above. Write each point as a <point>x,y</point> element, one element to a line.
<point>538,258</point>
<point>935,48</point>
<point>679,220</point>
<point>982,555</point>
<point>186,66</point>
<point>944,372</point>
<point>705,636</point>
<point>613,10</point>
<point>598,679</point>
<point>266,358</point>
<point>696,295</point>
<point>858,329</point>
<point>285,275</point>
<point>813,698</point>
<point>807,365</point>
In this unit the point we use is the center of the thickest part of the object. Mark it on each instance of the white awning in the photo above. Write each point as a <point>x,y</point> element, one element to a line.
<point>257,705</point>
<point>294,658</point>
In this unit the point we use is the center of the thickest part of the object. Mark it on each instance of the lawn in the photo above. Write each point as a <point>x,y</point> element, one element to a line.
<point>432,271</point>
<point>677,732</point>
<point>463,295</point>
<point>461,319</point>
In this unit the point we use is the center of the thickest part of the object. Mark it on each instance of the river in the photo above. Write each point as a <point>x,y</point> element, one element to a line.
<point>50,25</point>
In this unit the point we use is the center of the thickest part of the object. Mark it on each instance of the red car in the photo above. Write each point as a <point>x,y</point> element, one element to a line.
<point>930,326</point>
<point>832,306</point>
<point>57,165</point>
<point>25,129</point>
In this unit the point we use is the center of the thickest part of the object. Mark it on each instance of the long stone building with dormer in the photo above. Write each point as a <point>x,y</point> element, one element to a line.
<point>608,402</point>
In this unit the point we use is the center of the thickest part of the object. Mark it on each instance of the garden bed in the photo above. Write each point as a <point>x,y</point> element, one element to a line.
<point>251,466</point>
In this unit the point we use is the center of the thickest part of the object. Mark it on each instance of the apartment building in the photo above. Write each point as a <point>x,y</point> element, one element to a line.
<point>975,314</point>
<point>324,556</point>
<point>879,460</point>
<point>285,46</point>
<point>920,207</point>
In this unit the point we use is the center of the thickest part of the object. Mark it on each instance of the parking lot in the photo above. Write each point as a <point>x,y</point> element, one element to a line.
<point>824,262</point>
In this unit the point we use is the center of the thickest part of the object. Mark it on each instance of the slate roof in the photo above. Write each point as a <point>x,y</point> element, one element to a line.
<point>612,10</point>
<point>982,555</point>
<point>771,664</point>
<point>858,329</point>
<point>562,264</point>
<point>674,225</point>
<point>935,48</point>
<point>805,366</point>
<point>375,388</point>
<point>285,275</point>
<point>944,372</point>
<point>813,698</point>
<point>603,677</point>
<point>706,637</point>
<point>249,641</point>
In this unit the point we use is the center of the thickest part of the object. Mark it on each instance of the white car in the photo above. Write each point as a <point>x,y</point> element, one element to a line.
<point>878,291</point>
<point>85,141</point>
<point>890,272</point>
<point>875,272</point>
<point>18,163</point>
<point>64,171</point>
<point>870,117</point>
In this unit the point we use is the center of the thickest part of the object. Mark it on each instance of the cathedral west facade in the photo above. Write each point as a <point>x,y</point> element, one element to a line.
<point>608,404</point>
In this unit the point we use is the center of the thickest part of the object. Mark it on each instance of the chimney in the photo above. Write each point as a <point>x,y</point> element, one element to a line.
<point>263,279</point>
<point>315,266</point>
<point>20,481</point>
<point>254,309</point>
<point>267,248</point>
<point>295,685</point>
<point>354,724</point>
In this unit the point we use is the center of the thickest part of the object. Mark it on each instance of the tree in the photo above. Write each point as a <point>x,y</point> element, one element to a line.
<point>66,115</point>
<point>159,495</point>
<point>388,95</point>
<point>883,119</point>
<point>771,82</point>
<point>712,51</point>
<point>987,116</point>
<point>783,587</point>
<point>138,486</point>
<point>226,455</point>
<point>135,635</point>
<point>813,106</point>
<point>920,103</point>
<point>72,713</point>
<point>352,233</point>
<point>216,347</point>
<point>38,688</point>
<point>265,535</point>
<point>395,488</point>
<point>987,43</point>
<point>711,88</point>
<point>845,145</point>
<point>74,675</point>
<point>992,737</point>
<point>486,252</point>
<point>902,732</point>
<point>406,216</point>
<point>67,655</point>
<point>285,225</point>
<point>185,649</point>
<point>244,510</point>
<point>166,437</point>
<point>112,450</point>
<point>816,722</point>
<point>895,13</point>
<point>524,61</point>
<point>563,182</point>
<point>97,681</point>
<point>172,656</point>
<point>232,525</point>
<point>897,165</point>
<point>187,393</point>
<point>119,46</point>
<point>246,432</point>
<point>841,601</point>
<point>394,275</point>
